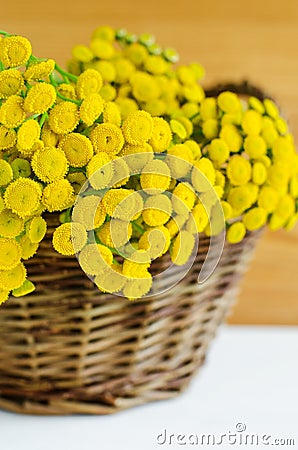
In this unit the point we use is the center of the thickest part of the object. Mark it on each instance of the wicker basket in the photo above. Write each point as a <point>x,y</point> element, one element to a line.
<point>67,348</point>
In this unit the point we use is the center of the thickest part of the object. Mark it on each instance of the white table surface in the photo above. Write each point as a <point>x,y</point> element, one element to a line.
<point>250,378</point>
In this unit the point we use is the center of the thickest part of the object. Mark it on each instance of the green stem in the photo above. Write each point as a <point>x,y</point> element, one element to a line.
<point>5,33</point>
<point>53,81</point>
<point>77,102</point>
<point>138,227</point>
<point>65,74</point>
<point>44,117</point>
<point>194,115</point>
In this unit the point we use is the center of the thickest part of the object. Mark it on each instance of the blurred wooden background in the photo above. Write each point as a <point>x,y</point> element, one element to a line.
<point>233,39</point>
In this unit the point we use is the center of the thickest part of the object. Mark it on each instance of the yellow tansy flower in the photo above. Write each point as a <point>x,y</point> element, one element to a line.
<point>161,135</point>
<point>28,134</point>
<point>238,170</point>
<point>111,280</point>
<point>115,233</point>
<point>232,137</point>
<point>40,98</point>
<point>15,51</point>
<point>23,196</point>
<point>69,238</point>
<point>124,204</point>
<point>183,198</point>
<point>137,156</point>
<point>137,288</point>
<point>26,288</point>
<point>111,114</point>
<point>11,112</point>
<point>255,146</point>
<point>40,70</point>
<point>155,177</point>
<point>255,218</point>
<point>108,138</point>
<point>37,229</point>
<point>10,253</point>
<point>218,151</point>
<point>4,294</point>
<point>157,210</point>
<point>6,173</point>
<point>137,127</point>
<point>89,211</point>
<point>236,233</point>
<point>102,49</point>
<point>229,102</point>
<point>91,108</point>
<point>179,160</point>
<point>49,164</point>
<point>64,118</point>
<point>13,278</point>
<point>11,83</point>
<point>89,82</point>
<point>182,248</point>
<point>58,195</point>
<point>7,138</point>
<point>77,148</point>
<point>144,87</point>
<point>10,224</point>
<point>156,241</point>
<point>100,171</point>
<point>95,259</point>
<point>82,53</point>
<point>252,122</point>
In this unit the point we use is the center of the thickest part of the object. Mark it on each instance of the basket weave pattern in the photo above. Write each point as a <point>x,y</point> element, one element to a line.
<point>67,348</point>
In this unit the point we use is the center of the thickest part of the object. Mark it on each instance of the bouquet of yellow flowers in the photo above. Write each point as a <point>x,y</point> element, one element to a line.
<point>135,159</point>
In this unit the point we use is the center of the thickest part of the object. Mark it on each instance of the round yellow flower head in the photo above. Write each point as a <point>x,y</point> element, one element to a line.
<point>137,288</point>
<point>156,241</point>
<point>255,146</point>
<point>157,210</point>
<point>137,156</point>
<point>11,83</point>
<point>115,233</point>
<point>23,196</point>
<point>208,108</point>
<point>252,122</point>
<point>10,253</point>
<point>13,278</point>
<point>121,172</point>
<point>39,71</point>
<point>203,175</point>
<point>77,180</point>
<point>82,53</point>
<point>12,113</point>
<point>69,238</point>
<point>108,138</point>
<point>183,198</point>
<point>161,135</point>
<point>21,168</point>
<point>102,48</point>
<point>182,248</point>
<point>137,53</point>
<point>89,211</point>
<point>7,138</point>
<point>67,90</point>
<point>155,177</point>
<point>124,204</point>
<point>6,173</point>
<point>256,104</point>
<point>179,160</point>
<point>238,170</point>
<point>198,220</point>
<point>127,106</point>
<point>236,233</point>
<point>37,229</point>
<point>15,51</point>
<point>229,102</point>
<point>108,92</point>
<point>49,164</point>
<point>137,127</point>
<point>255,218</point>
<point>100,171</point>
<point>111,114</point>
<point>259,173</point>
<point>89,82</point>
<point>77,148</point>
<point>271,108</point>
<point>111,280</point>
<point>58,195</point>
<point>10,224</point>
<point>241,198</point>
<point>124,70</point>
<point>144,87</point>
<point>64,118</point>
<point>218,151</point>
<point>28,248</point>
<point>230,134</point>
<point>28,134</point>
<point>40,98</point>
<point>95,259</point>
<point>91,108</point>
<point>105,68</point>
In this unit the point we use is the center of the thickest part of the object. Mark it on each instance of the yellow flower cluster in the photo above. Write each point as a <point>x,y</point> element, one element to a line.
<point>134,157</point>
